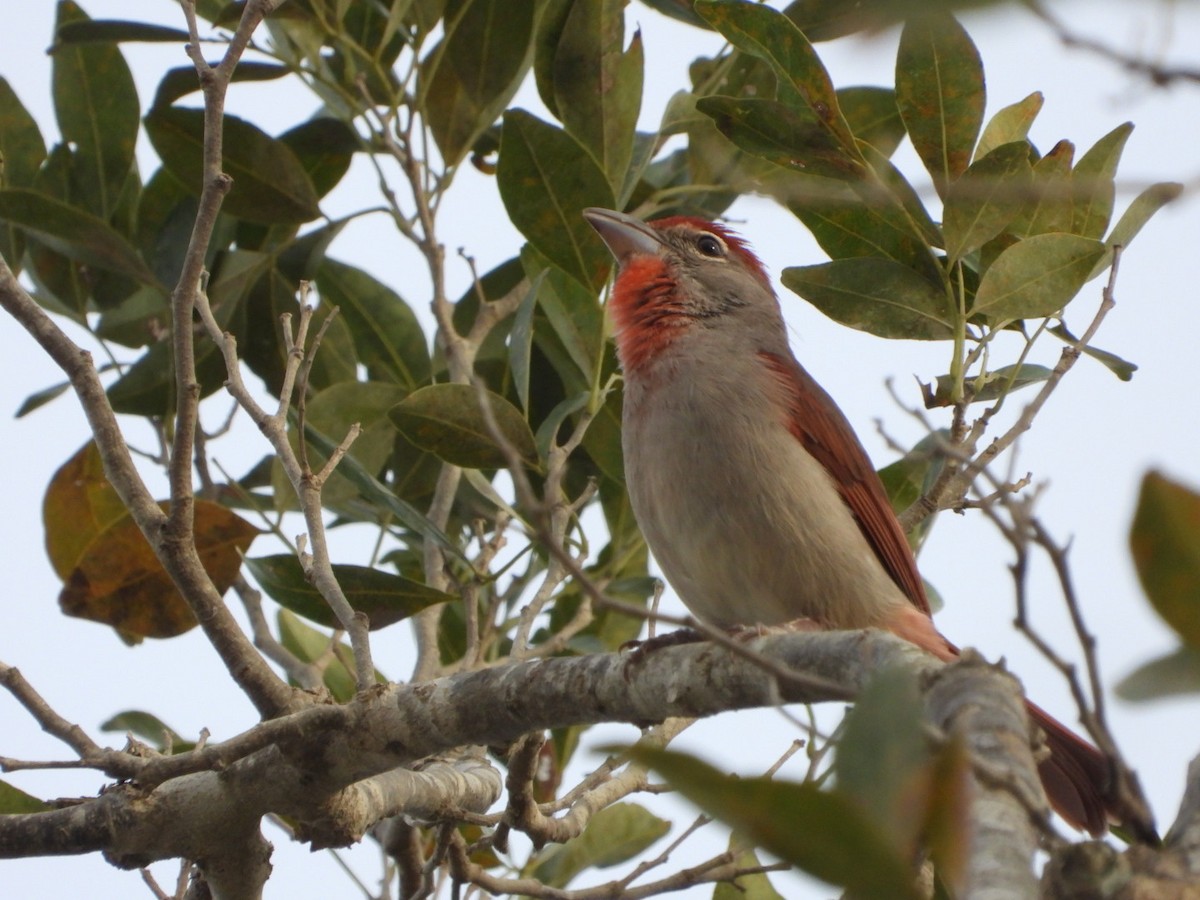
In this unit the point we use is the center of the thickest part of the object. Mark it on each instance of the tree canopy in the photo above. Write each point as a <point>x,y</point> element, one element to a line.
<point>417,564</point>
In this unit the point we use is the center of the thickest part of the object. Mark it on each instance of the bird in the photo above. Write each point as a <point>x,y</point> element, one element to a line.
<point>753,491</point>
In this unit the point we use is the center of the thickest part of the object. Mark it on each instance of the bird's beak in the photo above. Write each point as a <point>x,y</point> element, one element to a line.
<point>625,235</point>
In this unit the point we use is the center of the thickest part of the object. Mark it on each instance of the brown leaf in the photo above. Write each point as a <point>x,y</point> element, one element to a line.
<point>109,571</point>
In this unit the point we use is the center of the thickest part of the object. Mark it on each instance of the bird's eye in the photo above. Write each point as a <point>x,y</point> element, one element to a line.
<point>710,246</point>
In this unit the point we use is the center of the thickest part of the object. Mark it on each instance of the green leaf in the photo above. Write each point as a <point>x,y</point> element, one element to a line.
<point>1009,124</point>
<point>940,92</point>
<point>149,728</point>
<point>97,108</point>
<point>387,335</point>
<point>985,199</point>
<point>270,185</point>
<point>22,150</point>
<point>615,834</point>
<point>183,80</point>
<point>1122,368</point>
<point>520,340</point>
<point>992,386</point>
<point>746,887</point>
<point>310,645</point>
<point>770,35</point>
<point>873,116</point>
<point>1172,675</point>
<point>1036,277</point>
<point>882,757</point>
<point>782,135</point>
<point>14,801</point>
<point>1095,183</point>
<point>332,411</point>
<point>41,398</point>
<point>1140,211</point>
<point>876,295</point>
<point>448,421</point>
<point>546,180</point>
<point>868,220</point>
<point>907,479</point>
<point>111,31</point>
<point>573,313</point>
<point>148,386</point>
<point>1165,540</point>
<point>325,148</point>
<point>823,833</point>
<point>597,83</point>
<point>468,80</point>
<point>375,492</point>
<point>385,598</point>
<point>1051,203</point>
<point>73,232</point>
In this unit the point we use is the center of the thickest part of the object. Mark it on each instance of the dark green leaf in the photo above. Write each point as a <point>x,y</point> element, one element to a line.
<point>1172,675</point>
<point>1122,368</point>
<point>940,92</point>
<point>781,135</point>
<point>546,180</point>
<point>520,340</point>
<point>22,150</point>
<point>550,26</point>
<point>615,834</point>
<point>41,398</point>
<point>385,598</point>
<point>1165,540</point>
<point>270,185</point>
<point>14,801</point>
<point>448,421</point>
<point>21,144</point>
<point>823,833</point>
<point>387,335</point>
<point>677,10</point>
<point>826,20</point>
<point>148,386</point>
<point>1009,124</point>
<point>873,116</point>
<point>1094,181</point>
<point>97,108</point>
<point>876,295</point>
<point>325,147</point>
<point>598,83</point>
<point>769,35</point>
<point>573,313</point>
<point>468,80</point>
<point>1036,277</point>
<point>985,199</point>
<point>112,31</point>
<point>181,81</point>
<point>73,233</point>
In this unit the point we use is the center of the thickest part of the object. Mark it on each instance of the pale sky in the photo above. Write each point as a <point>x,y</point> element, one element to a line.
<point>1089,447</point>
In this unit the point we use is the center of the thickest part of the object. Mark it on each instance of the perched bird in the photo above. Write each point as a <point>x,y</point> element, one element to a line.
<point>755,496</point>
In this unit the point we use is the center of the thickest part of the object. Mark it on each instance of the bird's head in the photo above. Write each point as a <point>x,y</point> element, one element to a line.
<point>676,274</point>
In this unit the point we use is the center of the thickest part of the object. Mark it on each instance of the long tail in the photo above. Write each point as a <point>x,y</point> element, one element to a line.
<point>1077,778</point>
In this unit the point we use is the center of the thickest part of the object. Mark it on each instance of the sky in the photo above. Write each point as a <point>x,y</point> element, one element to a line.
<point>1087,452</point>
